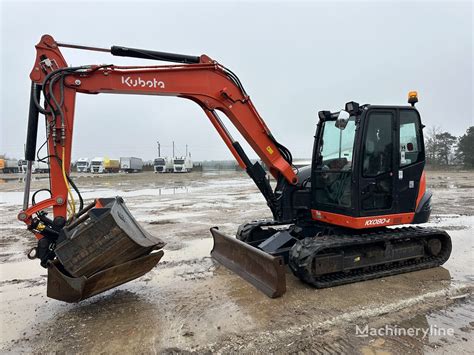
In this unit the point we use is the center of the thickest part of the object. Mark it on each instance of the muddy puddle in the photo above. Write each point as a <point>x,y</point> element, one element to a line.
<point>190,303</point>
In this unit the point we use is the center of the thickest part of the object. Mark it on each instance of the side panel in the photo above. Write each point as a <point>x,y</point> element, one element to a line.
<point>362,222</point>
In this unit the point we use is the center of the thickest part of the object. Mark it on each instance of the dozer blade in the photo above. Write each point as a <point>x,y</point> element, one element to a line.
<point>262,270</point>
<point>75,289</point>
<point>100,250</point>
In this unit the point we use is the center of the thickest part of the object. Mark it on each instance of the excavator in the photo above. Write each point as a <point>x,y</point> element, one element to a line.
<point>349,216</point>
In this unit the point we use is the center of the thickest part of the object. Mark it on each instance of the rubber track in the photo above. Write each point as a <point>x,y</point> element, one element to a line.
<point>304,251</point>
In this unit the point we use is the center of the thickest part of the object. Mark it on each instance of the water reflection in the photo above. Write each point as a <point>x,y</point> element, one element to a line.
<point>5,178</point>
<point>21,178</point>
<point>16,197</point>
<point>173,191</point>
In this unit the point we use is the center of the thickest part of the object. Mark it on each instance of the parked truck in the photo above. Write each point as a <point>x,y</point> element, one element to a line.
<point>9,166</point>
<point>163,165</point>
<point>97,165</point>
<point>112,165</point>
<point>104,165</point>
<point>37,167</point>
<point>131,164</point>
<point>182,165</point>
<point>83,165</point>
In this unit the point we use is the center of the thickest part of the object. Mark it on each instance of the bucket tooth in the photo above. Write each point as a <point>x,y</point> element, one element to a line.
<point>262,270</point>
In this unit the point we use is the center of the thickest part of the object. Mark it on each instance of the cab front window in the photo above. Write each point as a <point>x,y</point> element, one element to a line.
<point>334,168</point>
<point>337,146</point>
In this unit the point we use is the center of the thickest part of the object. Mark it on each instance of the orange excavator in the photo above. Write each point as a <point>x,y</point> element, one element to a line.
<point>334,222</point>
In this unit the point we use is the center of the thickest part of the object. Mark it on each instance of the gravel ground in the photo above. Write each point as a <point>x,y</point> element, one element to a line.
<point>190,303</point>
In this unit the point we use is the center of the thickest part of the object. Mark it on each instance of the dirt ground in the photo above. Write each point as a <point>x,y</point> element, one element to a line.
<point>188,303</point>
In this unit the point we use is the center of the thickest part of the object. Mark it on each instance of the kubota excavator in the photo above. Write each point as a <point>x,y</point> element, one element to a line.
<point>333,222</point>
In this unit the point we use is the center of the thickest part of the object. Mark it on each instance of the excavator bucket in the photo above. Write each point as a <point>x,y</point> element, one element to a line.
<point>262,270</point>
<point>75,289</point>
<point>104,248</point>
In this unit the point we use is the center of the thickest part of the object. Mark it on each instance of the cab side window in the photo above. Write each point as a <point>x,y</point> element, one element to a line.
<point>410,138</point>
<point>378,145</point>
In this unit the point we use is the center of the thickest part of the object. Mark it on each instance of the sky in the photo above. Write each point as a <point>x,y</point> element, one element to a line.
<point>293,57</point>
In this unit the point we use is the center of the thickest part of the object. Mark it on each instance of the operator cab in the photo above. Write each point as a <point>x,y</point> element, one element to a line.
<point>368,161</point>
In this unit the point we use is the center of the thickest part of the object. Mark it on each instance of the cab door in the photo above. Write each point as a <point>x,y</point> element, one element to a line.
<point>410,159</point>
<point>377,163</point>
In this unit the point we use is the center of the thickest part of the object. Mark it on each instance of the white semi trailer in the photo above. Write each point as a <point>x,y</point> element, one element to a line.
<point>188,164</point>
<point>131,164</point>
<point>37,167</point>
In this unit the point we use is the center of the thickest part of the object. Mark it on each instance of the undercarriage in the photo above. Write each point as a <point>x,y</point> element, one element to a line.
<point>324,256</point>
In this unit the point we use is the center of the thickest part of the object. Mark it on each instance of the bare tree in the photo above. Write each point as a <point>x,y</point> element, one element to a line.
<point>432,145</point>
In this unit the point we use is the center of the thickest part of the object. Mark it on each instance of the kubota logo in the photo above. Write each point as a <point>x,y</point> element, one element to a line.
<point>377,221</point>
<point>142,83</point>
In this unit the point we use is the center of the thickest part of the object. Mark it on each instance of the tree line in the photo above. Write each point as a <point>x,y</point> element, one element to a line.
<point>442,148</point>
